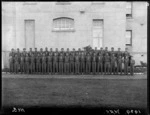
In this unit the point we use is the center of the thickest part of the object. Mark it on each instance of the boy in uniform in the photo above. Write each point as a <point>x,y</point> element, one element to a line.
<point>72,61</point>
<point>11,60</point>
<point>11,64</point>
<point>112,65</point>
<point>88,63</point>
<point>82,63</point>
<point>100,63</point>
<point>61,62</point>
<point>66,62</point>
<point>112,52</point>
<point>16,63</point>
<point>77,64</point>
<point>107,63</point>
<point>126,62</point>
<point>41,52</point>
<point>118,53</point>
<point>119,64</point>
<point>94,63</point>
<point>55,63</point>
<point>30,52</point>
<point>35,55</point>
<point>22,64</point>
<point>24,52</point>
<point>49,63</point>
<point>27,63</point>
<point>18,55</point>
<point>32,63</point>
<point>38,63</point>
<point>43,64</point>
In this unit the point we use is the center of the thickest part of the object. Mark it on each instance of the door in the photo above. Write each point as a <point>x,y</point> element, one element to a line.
<point>29,34</point>
<point>97,33</point>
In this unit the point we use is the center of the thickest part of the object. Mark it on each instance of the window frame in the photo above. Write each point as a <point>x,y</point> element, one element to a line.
<point>130,38</point>
<point>128,16</point>
<point>65,24</point>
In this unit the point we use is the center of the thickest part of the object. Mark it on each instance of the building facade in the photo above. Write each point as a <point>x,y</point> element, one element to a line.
<point>75,25</point>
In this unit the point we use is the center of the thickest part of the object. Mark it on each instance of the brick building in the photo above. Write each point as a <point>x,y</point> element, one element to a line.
<point>75,25</point>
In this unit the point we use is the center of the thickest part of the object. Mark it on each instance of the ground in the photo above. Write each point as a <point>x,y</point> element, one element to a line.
<point>87,90</point>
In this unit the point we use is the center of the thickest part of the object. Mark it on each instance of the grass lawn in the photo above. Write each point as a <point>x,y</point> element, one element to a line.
<point>36,92</point>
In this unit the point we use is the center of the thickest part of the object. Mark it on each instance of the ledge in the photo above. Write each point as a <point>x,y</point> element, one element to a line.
<point>72,30</point>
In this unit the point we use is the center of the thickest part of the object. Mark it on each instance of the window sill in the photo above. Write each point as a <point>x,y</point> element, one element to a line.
<point>72,30</point>
<point>128,45</point>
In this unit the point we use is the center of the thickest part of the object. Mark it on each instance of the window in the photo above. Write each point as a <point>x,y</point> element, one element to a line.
<point>98,32</point>
<point>97,23</point>
<point>129,37</point>
<point>63,23</point>
<point>128,9</point>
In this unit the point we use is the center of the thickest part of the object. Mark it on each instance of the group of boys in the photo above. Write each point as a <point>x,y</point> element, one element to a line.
<point>71,62</point>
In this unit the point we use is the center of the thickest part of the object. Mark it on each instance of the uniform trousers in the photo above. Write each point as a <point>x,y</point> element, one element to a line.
<point>72,67</point>
<point>88,67</point>
<point>61,67</point>
<point>107,67</point>
<point>66,68</point>
<point>49,67</point>
<point>100,67</point>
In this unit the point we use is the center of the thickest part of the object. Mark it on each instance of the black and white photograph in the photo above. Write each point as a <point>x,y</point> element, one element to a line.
<point>65,54</point>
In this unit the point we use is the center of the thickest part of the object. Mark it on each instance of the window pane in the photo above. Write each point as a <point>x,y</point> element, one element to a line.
<point>128,5</point>
<point>128,37</point>
<point>98,23</point>
<point>64,23</point>
<point>128,8</point>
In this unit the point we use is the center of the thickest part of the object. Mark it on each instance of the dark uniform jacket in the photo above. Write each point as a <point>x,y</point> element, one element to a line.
<point>126,54</point>
<point>12,54</point>
<point>30,53</point>
<point>55,58</point>
<point>100,59</point>
<point>88,58</point>
<point>32,59</point>
<point>24,53</point>
<point>82,58</point>
<point>119,60</point>
<point>77,58</point>
<point>46,53</point>
<point>71,58</point>
<point>27,59</point>
<point>11,59</point>
<point>118,53</point>
<point>16,59</point>
<point>22,59</point>
<point>36,53</point>
<point>49,58</point>
<point>66,59</point>
<point>107,59</point>
<point>43,59</point>
<point>93,58</point>
<point>111,53</point>
<point>61,58</point>
<point>38,59</point>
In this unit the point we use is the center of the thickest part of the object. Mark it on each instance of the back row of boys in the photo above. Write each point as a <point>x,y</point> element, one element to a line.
<point>99,61</point>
